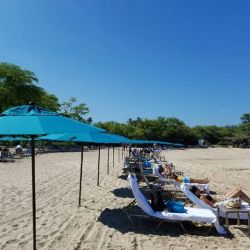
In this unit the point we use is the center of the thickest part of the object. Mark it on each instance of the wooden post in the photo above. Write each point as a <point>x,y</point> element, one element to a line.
<point>98,172</point>
<point>80,189</point>
<point>108,162</point>
<point>113,156</point>
<point>33,190</point>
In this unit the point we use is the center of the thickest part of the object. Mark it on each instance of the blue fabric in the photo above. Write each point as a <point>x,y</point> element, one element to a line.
<point>28,110</point>
<point>147,164</point>
<point>98,138</point>
<point>176,207</point>
<point>147,171</point>
<point>33,120</point>
<point>186,179</point>
<point>9,138</point>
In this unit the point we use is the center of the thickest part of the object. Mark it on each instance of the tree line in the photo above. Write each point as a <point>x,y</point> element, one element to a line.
<point>174,130</point>
<point>19,86</point>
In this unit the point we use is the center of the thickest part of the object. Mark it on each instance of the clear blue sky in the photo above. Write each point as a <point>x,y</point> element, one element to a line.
<point>129,58</point>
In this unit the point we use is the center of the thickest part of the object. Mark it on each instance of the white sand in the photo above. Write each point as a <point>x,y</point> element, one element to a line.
<point>100,222</point>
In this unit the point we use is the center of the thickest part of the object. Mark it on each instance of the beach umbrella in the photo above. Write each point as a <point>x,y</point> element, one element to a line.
<point>94,138</point>
<point>10,138</point>
<point>163,143</point>
<point>141,142</point>
<point>86,137</point>
<point>124,140</point>
<point>33,120</point>
<point>178,145</point>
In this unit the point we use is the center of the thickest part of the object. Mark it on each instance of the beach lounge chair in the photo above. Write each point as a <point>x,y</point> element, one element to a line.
<point>128,166</point>
<point>192,214</point>
<point>204,187</point>
<point>6,156</point>
<point>200,203</point>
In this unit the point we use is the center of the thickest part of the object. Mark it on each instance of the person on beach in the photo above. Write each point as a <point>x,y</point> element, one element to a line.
<point>152,156</point>
<point>5,152</point>
<point>209,200</point>
<point>19,149</point>
<point>166,169</point>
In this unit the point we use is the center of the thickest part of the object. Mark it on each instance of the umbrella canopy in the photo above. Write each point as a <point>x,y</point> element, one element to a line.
<point>178,145</point>
<point>98,138</point>
<point>141,142</point>
<point>124,139</point>
<point>163,143</point>
<point>34,120</point>
<point>148,142</point>
<point>10,138</point>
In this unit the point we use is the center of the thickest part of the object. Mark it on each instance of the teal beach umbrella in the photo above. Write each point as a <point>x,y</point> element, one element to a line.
<point>178,145</point>
<point>141,142</point>
<point>96,138</point>
<point>33,120</point>
<point>13,138</point>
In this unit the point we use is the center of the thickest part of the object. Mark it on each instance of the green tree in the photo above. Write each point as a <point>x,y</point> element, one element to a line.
<point>19,86</point>
<point>164,129</point>
<point>245,125</point>
<point>50,102</point>
<point>73,110</point>
<point>245,118</point>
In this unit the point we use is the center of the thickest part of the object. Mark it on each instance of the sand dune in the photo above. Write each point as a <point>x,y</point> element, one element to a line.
<point>100,222</point>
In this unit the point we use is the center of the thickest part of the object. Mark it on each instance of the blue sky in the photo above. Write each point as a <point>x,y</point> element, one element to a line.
<point>129,58</point>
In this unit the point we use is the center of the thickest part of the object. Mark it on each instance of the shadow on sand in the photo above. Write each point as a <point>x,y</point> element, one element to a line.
<point>244,230</point>
<point>123,192</point>
<point>117,219</point>
<point>123,177</point>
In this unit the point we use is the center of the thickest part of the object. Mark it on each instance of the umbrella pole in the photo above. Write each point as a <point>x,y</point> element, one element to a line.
<point>113,156</point>
<point>122,152</point>
<point>80,189</point>
<point>33,190</point>
<point>98,173</point>
<point>119,155</point>
<point>108,162</point>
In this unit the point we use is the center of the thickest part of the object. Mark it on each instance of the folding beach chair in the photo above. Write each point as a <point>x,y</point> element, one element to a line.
<point>192,214</point>
<point>151,186</point>
<point>6,156</point>
<point>177,184</point>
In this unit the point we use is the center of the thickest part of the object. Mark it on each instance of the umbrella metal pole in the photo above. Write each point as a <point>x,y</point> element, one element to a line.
<point>113,156</point>
<point>98,172</point>
<point>33,190</point>
<point>108,162</point>
<point>122,152</point>
<point>80,189</point>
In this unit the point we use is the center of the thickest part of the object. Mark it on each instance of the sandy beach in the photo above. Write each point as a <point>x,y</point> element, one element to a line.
<point>100,222</point>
